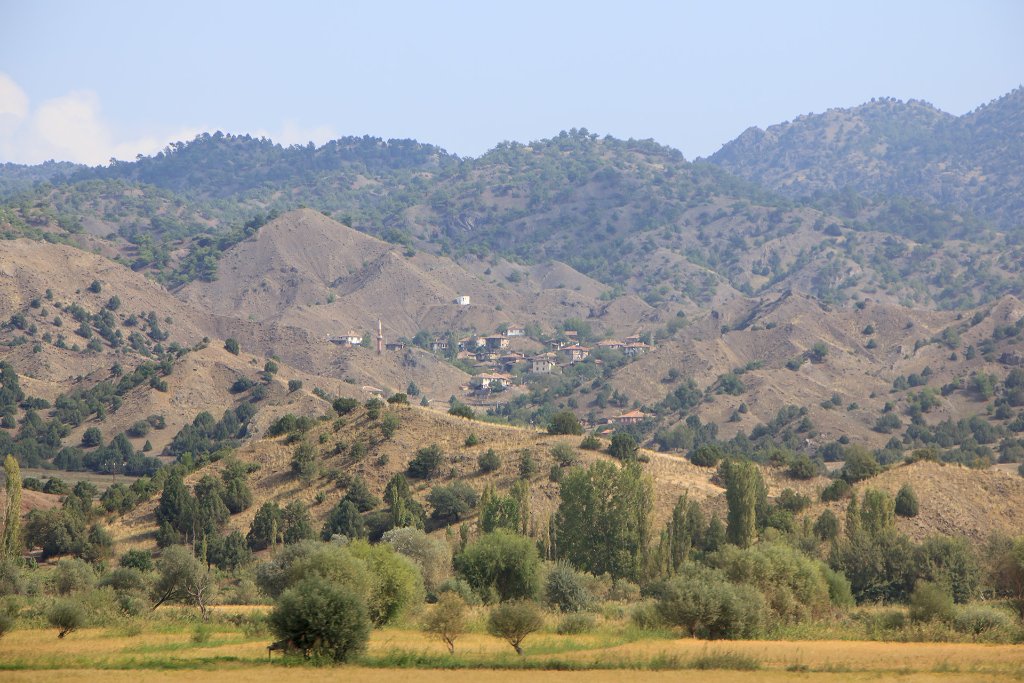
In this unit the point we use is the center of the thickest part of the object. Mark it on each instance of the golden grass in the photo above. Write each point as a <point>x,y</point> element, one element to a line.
<point>267,674</point>
<point>155,654</point>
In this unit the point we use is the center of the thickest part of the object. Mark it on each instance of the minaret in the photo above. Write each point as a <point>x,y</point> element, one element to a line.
<point>380,337</point>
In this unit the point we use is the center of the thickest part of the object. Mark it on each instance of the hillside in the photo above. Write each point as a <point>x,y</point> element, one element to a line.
<point>889,150</point>
<point>979,510</point>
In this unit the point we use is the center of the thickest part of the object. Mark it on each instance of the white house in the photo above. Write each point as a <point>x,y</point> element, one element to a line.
<point>349,339</point>
<point>462,300</point>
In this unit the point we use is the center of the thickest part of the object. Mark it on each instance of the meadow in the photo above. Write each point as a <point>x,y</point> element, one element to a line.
<point>173,644</point>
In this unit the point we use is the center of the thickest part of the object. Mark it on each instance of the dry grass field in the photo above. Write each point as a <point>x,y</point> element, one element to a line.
<point>164,650</point>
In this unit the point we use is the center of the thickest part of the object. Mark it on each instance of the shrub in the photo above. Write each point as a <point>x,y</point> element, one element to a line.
<point>527,465</point>
<point>575,624</point>
<point>802,467</point>
<point>623,446</point>
<point>977,620</point>
<point>860,464</point>
<point>565,589</point>
<point>447,619</point>
<point>472,440</point>
<point>706,455</point>
<point>399,399</point>
<point>72,575</point>
<point>453,502</point>
<point>489,461</point>
<point>462,410</point>
<point>906,502</point>
<point>231,346</point>
<point>826,527</point>
<point>564,422</point>
<point>433,556</point>
<point>426,463</point>
<point>344,406</point>
<point>461,588</point>
<point>66,616</point>
<point>837,490</point>
<point>395,583</point>
<point>564,454</point>
<point>513,621</point>
<point>124,579</point>
<point>294,385</point>
<point>793,501</point>
<point>708,606</point>
<point>931,602</point>
<point>7,619</point>
<point>328,619</point>
<point>590,443</point>
<point>500,566</point>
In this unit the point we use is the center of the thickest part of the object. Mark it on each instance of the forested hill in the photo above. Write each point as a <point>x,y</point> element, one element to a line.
<point>891,200</point>
<point>887,151</point>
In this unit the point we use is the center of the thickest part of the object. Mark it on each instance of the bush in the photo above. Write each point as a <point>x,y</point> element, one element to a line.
<point>802,467</point>
<point>124,579</point>
<point>826,527</point>
<point>472,440</point>
<point>565,422</point>
<point>500,566</point>
<point>452,503</point>
<point>72,575</point>
<point>977,620</point>
<point>325,618</point>
<point>565,589</point>
<point>931,602</point>
<point>590,443</point>
<point>294,385</point>
<point>575,624</point>
<point>706,605</point>
<point>623,446</point>
<point>66,616</point>
<point>706,455</point>
<point>344,406</point>
<point>906,502</point>
<point>433,556</point>
<point>564,455</point>
<point>395,583</point>
<point>231,346</point>
<point>489,461</point>
<point>860,464</point>
<point>447,619</point>
<point>426,463</point>
<point>513,621</point>
<point>837,490</point>
<point>462,410</point>
<point>7,619</point>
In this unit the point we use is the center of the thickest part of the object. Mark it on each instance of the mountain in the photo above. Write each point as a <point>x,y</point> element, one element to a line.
<point>888,156</point>
<point>849,277</point>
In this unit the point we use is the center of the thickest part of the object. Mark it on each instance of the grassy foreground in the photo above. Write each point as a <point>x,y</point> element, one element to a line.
<point>171,649</point>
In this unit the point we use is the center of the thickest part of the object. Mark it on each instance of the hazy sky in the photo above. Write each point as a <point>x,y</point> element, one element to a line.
<point>85,81</point>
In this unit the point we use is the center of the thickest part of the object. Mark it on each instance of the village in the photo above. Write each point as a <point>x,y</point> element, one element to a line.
<point>509,359</point>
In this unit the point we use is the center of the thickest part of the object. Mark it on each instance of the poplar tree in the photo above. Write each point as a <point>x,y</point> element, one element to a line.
<point>10,542</point>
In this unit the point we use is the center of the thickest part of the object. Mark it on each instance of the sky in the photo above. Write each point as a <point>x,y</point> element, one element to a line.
<point>88,81</point>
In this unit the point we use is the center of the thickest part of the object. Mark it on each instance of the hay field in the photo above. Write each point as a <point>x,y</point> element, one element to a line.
<point>163,651</point>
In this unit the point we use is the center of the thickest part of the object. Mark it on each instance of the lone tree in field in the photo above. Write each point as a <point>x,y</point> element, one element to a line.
<point>182,578</point>
<point>447,620</point>
<point>513,621</point>
<point>321,618</point>
<point>67,616</point>
<point>10,544</point>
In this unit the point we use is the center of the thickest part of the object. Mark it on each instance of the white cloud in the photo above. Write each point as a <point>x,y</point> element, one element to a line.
<point>71,128</point>
<point>13,105</point>
<point>68,128</point>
